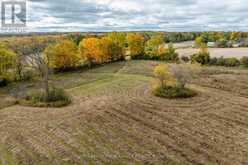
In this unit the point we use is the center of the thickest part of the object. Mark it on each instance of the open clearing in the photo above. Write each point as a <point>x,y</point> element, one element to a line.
<point>114,119</point>
<point>217,52</point>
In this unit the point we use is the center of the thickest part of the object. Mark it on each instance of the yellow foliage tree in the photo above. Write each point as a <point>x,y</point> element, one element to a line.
<point>162,73</point>
<point>162,50</point>
<point>105,49</point>
<point>7,60</point>
<point>62,55</point>
<point>136,44</point>
<point>153,45</point>
<point>90,50</point>
<point>117,46</point>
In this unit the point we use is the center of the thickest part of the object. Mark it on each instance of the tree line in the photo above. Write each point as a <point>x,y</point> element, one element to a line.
<point>23,57</point>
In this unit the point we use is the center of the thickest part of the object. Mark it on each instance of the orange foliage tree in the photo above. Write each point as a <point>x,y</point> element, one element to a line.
<point>90,50</point>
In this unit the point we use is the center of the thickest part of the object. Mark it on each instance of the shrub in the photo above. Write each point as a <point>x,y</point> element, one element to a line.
<point>201,58</point>
<point>174,92</point>
<point>244,61</point>
<point>220,61</point>
<point>185,59</point>
<point>164,76</point>
<point>171,54</point>
<point>227,62</point>
<point>231,62</point>
<point>56,98</point>
<point>213,61</point>
<point>26,75</point>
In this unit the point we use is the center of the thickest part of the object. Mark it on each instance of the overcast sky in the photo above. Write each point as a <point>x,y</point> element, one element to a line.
<point>124,15</point>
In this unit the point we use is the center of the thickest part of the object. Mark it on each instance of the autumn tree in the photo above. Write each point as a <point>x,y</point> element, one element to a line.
<point>136,44</point>
<point>162,73</point>
<point>90,50</point>
<point>62,55</point>
<point>118,45</point>
<point>105,45</point>
<point>153,45</point>
<point>198,42</point>
<point>202,57</point>
<point>7,60</point>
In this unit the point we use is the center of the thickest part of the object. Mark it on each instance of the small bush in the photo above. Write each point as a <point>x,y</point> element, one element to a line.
<point>174,92</point>
<point>231,62</point>
<point>244,61</point>
<point>170,55</point>
<point>213,61</point>
<point>185,59</point>
<point>56,98</point>
<point>201,58</point>
<point>26,75</point>
<point>220,61</point>
<point>227,62</point>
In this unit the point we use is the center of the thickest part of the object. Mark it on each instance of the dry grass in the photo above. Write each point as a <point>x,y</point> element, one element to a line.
<point>114,119</point>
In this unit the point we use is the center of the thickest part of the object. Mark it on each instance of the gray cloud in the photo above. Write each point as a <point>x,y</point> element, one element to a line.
<point>166,15</point>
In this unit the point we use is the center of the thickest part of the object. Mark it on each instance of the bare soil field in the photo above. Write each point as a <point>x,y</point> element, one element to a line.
<point>183,45</point>
<point>217,52</point>
<point>114,119</point>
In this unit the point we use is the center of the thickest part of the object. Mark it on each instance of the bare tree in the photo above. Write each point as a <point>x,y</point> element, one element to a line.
<point>32,49</point>
<point>17,46</point>
<point>182,73</point>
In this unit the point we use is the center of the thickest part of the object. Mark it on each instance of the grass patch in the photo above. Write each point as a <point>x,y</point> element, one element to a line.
<point>56,98</point>
<point>172,92</point>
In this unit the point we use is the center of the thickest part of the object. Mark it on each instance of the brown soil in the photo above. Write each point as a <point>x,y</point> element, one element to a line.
<point>118,121</point>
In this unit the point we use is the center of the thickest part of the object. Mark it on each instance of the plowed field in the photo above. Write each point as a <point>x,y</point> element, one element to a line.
<point>114,119</point>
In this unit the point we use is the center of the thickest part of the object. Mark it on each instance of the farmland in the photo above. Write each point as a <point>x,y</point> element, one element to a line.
<point>217,52</point>
<point>114,119</point>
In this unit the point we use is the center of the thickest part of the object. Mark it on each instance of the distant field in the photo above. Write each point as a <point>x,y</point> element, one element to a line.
<point>183,45</point>
<point>217,52</point>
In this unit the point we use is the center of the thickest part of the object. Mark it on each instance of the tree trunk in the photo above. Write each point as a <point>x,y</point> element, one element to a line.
<point>45,81</point>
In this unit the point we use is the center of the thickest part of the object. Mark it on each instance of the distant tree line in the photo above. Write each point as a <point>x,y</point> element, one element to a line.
<point>223,39</point>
